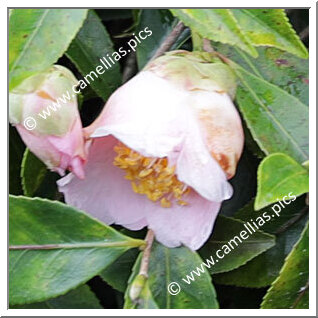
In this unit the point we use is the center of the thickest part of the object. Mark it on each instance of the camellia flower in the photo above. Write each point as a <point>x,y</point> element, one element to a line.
<point>162,150</point>
<point>51,130</point>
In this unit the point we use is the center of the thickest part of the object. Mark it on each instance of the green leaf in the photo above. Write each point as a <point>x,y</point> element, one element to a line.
<point>86,51</point>
<point>291,211</point>
<point>16,150</point>
<point>79,298</point>
<point>217,25</point>
<point>277,120</point>
<point>169,265</point>
<point>54,248</point>
<point>251,144</point>
<point>291,288</point>
<point>118,273</point>
<point>226,234</point>
<point>244,28</point>
<point>279,175</point>
<point>282,69</point>
<point>161,23</point>
<point>37,180</point>
<point>270,27</point>
<point>262,270</point>
<point>38,37</point>
<point>33,172</point>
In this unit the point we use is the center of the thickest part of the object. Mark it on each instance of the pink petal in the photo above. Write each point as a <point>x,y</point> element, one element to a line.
<point>221,128</point>
<point>108,196</point>
<point>104,193</point>
<point>198,169</point>
<point>148,114</point>
<point>188,225</point>
<point>40,147</point>
<point>71,149</point>
<point>77,166</point>
<point>168,127</point>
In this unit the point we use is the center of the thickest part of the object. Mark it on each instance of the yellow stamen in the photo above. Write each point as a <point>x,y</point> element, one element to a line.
<point>145,173</point>
<point>165,203</point>
<point>181,202</point>
<point>152,177</point>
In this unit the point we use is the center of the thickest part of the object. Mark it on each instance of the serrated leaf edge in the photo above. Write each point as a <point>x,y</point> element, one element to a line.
<point>283,267</point>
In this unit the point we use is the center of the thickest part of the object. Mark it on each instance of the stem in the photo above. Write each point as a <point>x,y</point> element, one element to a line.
<point>144,265</point>
<point>222,57</point>
<point>167,43</point>
<point>131,66</point>
<point>132,243</point>
<point>207,47</point>
<point>139,281</point>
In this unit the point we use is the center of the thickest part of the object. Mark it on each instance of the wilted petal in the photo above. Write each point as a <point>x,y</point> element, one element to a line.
<point>147,114</point>
<point>198,169</point>
<point>221,128</point>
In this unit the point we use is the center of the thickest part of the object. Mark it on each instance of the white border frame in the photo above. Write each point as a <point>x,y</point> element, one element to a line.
<point>312,138</point>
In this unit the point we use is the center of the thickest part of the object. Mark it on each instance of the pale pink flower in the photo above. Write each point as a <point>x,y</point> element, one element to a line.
<point>57,139</point>
<point>162,151</point>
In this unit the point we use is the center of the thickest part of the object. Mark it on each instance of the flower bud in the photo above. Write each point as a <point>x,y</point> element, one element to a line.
<point>44,110</point>
<point>137,286</point>
<point>195,71</point>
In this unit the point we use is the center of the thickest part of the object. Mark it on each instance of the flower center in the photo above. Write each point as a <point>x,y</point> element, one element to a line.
<point>151,176</point>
